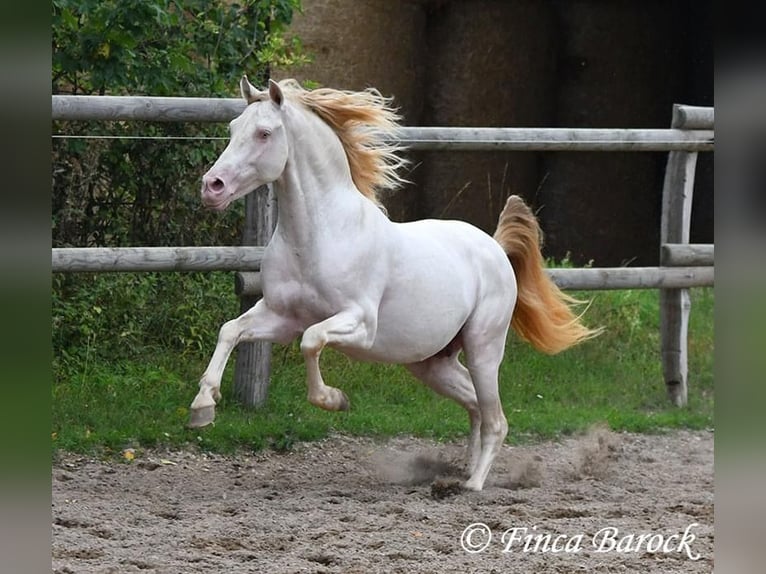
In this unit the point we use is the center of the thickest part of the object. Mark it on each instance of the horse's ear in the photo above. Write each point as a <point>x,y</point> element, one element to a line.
<point>275,93</point>
<point>249,91</point>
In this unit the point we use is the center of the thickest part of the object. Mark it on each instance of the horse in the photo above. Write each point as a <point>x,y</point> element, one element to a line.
<point>339,273</point>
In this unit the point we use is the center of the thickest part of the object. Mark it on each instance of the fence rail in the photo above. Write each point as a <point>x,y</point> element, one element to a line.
<point>585,279</point>
<point>105,259</point>
<point>180,109</point>
<point>244,259</point>
<point>131,108</point>
<point>686,254</point>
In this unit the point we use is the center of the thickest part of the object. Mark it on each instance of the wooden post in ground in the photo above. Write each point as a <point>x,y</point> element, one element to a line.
<point>675,304</point>
<point>252,370</point>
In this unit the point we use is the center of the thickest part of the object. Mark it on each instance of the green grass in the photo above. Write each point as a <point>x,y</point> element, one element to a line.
<point>142,400</point>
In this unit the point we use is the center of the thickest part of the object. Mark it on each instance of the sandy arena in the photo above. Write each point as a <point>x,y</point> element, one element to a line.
<point>349,505</point>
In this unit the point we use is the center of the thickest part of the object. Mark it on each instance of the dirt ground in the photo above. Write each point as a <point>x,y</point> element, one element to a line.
<point>364,506</point>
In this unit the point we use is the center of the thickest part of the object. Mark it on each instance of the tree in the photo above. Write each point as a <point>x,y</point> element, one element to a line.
<point>124,190</point>
<point>113,187</point>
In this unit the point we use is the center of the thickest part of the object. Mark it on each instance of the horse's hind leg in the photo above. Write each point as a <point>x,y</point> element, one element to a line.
<point>483,357</point>
<point>448,377</point>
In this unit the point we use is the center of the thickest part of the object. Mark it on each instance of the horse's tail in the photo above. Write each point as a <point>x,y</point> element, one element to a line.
<point>543,315</point>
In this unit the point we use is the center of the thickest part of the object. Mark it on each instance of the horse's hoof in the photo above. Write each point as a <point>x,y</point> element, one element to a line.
<point>344,404</point>
<point>473,485</point>
<point>201,417</point>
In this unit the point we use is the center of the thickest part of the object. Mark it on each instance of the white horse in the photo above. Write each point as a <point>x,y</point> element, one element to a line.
<point>339,273</point>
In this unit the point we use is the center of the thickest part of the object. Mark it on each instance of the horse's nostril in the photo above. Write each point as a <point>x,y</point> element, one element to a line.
<point>214,184</point>
<point>217,185</point>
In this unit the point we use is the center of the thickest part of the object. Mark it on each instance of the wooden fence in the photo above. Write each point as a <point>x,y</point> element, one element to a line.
<point>681,265</point>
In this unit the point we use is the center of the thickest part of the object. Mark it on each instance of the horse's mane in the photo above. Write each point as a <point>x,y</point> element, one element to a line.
<point>365,122</point>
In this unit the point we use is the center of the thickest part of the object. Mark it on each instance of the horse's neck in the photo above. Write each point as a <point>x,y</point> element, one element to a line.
<point>315,193</point>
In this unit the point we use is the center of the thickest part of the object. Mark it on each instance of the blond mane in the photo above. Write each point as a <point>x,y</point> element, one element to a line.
<point>365,123</point>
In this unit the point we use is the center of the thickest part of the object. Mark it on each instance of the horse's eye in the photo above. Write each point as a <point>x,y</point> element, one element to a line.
<point>262,134</point>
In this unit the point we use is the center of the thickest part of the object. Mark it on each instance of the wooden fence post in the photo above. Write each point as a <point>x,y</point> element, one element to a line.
<point>675,304</point>
<point>252,369</point>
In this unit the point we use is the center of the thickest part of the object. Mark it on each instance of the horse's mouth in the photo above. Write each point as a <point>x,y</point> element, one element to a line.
<point>215,204</point>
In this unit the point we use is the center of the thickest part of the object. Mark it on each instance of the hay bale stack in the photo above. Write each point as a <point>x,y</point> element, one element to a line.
<point>618,69</point>
<point>356,45</point>
<point>490,64</point>
<point>526,63</point>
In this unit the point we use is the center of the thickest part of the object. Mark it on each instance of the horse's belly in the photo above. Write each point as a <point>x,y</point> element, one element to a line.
<point>415,328</point>
<point>400,350</point>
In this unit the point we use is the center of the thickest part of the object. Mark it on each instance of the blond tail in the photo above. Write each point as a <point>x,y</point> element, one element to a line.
<point>543,315</point>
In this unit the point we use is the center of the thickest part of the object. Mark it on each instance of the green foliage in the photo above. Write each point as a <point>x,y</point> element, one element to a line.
<point>142,398</point>
<point>133,184</point>
<point>166,47</point>
<point>119,316</point>
<point>126,191</point>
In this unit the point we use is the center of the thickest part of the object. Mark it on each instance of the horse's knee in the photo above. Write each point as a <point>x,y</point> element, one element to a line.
<point>229,333</point>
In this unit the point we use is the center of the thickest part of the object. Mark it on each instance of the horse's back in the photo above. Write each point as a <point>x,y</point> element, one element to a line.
<point>452,249</point>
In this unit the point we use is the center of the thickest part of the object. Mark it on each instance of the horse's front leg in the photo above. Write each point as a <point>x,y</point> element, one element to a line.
<point>257,324</point>
<point>346,329</point>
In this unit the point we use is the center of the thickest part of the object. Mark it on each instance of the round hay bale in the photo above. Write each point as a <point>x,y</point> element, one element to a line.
<point>356,45</point>
<point>490,64</point>
<point>619,68</point>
